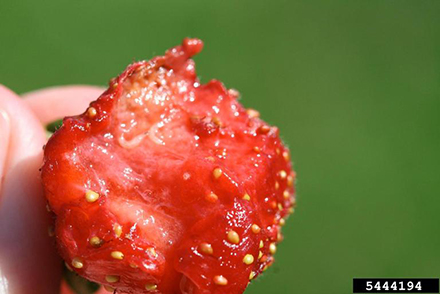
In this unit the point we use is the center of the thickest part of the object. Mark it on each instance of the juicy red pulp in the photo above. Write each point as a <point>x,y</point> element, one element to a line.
<point>179,167</point>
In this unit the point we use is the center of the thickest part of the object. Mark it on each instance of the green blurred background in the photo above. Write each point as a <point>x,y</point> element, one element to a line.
<point>353,85</point>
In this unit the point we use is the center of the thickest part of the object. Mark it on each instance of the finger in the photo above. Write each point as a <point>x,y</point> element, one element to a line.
<point>28,259</point>
<point>54,103</point>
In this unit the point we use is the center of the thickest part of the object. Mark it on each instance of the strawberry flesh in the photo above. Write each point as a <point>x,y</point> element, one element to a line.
<point>192,189</point>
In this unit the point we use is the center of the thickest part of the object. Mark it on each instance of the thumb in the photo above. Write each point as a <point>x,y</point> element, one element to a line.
<point>28,259</point>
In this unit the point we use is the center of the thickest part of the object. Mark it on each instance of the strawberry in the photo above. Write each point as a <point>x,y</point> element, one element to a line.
<point>165,185</point>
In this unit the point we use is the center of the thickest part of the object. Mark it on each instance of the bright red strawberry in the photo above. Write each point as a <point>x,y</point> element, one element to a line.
<point>168,186</point>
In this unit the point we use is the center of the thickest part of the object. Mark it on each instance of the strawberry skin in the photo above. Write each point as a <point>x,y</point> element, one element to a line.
<point>165,185</point>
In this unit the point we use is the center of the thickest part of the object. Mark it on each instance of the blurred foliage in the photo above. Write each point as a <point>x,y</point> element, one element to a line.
<point>353,85</point>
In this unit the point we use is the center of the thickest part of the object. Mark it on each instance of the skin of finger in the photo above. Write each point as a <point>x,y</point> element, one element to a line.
<point>28,259</point>
<point>54,103</point>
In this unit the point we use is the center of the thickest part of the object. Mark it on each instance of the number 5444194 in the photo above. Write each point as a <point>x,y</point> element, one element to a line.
<point>395,286</point>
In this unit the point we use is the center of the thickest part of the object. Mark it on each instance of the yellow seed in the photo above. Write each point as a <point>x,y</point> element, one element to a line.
<point>51,231</point>
<point>206,248</point>
<point>133,265</point>
<point>260,255</point>
<point>112,279</point>
<point>77,262</point>
<point>255,229</point>
<point>256,149</point>
<point>277,151</point>
<point>286,194</point>
<point>282,222</point>
<point>150,287</point>
<point>265,268</point>
<point>91,196</point>
<point>291,210</point>
<point>217,172</point>
<point>252,275</point>
<point>277,185</point>
<point>264,129</point>
<point>91,111</point>
<point>280,206</point>
<point>248,259</point>
<point>252,113</point>
<point>211,197</point>
<point>247,197</point>
<point>279,237</point>
<point>233,237</point>
<point>283,174</point>
<point>272,248</point>
<point>220,280</point>
<point>117,255</point>
<point>261,244</point>
<point>96,241</point>
<point>109,289</point>
<point>118,230</point>
<point>293,202</point>
<point>286,156</point>
<point>289,181</point>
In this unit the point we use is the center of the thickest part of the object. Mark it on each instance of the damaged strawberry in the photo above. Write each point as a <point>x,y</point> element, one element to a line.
<point>165,185</point>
